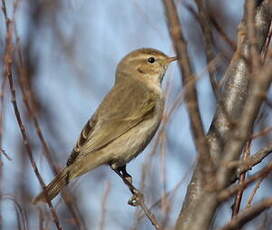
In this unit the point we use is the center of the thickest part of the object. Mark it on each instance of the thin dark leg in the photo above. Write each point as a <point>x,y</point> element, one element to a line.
<point>137,198</point>
<point>122,172</point>
<point>125,174</point>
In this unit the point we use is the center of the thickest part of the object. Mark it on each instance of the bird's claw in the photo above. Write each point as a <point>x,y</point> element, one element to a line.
<point>136,198</point>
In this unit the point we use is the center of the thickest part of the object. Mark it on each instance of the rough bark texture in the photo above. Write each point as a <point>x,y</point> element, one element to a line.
<point>201,203</point>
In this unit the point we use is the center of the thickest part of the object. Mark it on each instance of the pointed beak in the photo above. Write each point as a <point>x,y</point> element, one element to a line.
<point>171,59</point>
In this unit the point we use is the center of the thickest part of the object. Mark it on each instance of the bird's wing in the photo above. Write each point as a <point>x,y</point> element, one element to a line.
<point>122,109</point>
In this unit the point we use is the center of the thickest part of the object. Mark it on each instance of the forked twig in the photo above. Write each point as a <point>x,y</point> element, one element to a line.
<point>248,214</point>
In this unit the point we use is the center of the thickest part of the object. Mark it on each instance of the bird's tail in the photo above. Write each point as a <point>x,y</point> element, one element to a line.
<point>54,187</point>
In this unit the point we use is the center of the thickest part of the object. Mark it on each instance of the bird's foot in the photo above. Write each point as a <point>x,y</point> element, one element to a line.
<point>126,175</point>
<point>122,172</point>
<point>137,198</point>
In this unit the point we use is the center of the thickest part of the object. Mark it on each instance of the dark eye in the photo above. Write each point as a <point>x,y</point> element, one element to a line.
<point>151,60</point>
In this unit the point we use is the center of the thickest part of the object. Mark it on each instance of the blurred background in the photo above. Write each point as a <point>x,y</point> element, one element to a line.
<point>65,58</point>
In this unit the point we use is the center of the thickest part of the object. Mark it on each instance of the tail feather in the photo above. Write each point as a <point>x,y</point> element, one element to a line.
<point>89,162</point>
<point>53,188</point>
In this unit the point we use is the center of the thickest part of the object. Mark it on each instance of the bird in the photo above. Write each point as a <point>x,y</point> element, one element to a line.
<point>123,124</point>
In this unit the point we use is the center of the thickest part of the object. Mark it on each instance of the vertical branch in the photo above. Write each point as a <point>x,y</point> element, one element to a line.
<point>253,193</point>
<point>1,146</point>
<point>27,97</point>
<point>200,205</point>
<point>8,61</point>
<point>205,167</point>
<point>204,22</point>
<point>239,195</point>
<point>2,151</point>
<point>104,206</point>
<point>260,83</point>
<point>191,98</point>
<point>250,9</point>
<point>258,94</point>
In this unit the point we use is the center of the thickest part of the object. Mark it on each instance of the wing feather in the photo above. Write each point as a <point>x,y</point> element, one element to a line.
<point>122,109</point>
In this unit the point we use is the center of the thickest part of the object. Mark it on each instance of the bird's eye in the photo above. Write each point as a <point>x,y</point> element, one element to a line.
<point>151,60</point>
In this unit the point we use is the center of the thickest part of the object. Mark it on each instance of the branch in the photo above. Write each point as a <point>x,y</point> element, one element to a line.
<point>247,215</point>
<point>258,89</point>
<point>137,198</point>
<point>104,206</point>
<point>8,61</point>
<point>225,194</point>
<point>245,165</point>
<point>28,100</point>
<point>203,18</point>
<point>200,205</point>
<point>239,195</point>
<point>191,98</point>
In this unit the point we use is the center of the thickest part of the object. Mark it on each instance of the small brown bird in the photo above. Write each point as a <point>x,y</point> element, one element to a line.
<point>123,124</point>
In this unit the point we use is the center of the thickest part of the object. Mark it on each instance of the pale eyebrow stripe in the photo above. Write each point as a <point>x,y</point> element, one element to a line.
<point>146,56</point>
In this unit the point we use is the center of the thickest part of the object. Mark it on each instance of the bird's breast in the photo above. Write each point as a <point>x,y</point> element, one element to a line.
<point>133,142</point>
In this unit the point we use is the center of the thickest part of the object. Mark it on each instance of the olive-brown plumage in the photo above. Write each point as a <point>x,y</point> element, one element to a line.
<point>125,121</point>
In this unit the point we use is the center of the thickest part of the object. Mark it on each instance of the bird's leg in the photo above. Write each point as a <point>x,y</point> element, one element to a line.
<point>125,174</point>
<point>137,197</point>
<point>126,177</point>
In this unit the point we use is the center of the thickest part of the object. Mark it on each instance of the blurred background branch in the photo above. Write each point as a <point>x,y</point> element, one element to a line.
<point>62,57</point>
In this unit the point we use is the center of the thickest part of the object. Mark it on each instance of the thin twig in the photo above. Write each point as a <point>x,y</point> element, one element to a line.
<point>247,215</point>
<point>191,98</point>
<point>41,219</point>
<point>255,56</point>
<point>221,32</point>
<point>203,19</point>
<point>165,203</point>
<point>167,195</point>
<point>104,206</point>
<point>2,151</point>
<point>267,43</point>
<point>138,200</point>
<point>8,61</point>
<point>261,133</point>
<point>239,195</point>
<point>251,196</point>
<point>200,206</point>
<point>27,97</point>
<point>21,217</point>
<point>251,161</point>
<point>2,106</point>
<point>225,194</point>
<point>255,159</point>
<point>258,90</point>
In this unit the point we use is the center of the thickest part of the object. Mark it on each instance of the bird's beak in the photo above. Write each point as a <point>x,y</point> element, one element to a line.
<point>171,59</point>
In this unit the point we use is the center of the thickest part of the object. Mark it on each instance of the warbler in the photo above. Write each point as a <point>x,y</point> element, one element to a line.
<point>124,122</point>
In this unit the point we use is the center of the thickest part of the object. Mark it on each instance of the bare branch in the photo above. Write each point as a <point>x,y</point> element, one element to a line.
<point>247,215</point>
<point>104,205</point>
<point>28,100</point>
<point>8,61</point>
<point>225,194</point>
<point>258,91</point>
<point>137,199</point>
<point>191,98</point>
<point>200,205</point>
<point>2,151</point>
<point>239,195</point>
<point>253,193</point>
<point>208,41</point>
<point>252,160</point>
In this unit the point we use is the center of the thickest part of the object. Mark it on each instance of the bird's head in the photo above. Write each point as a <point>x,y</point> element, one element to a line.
<point>149,64</point>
